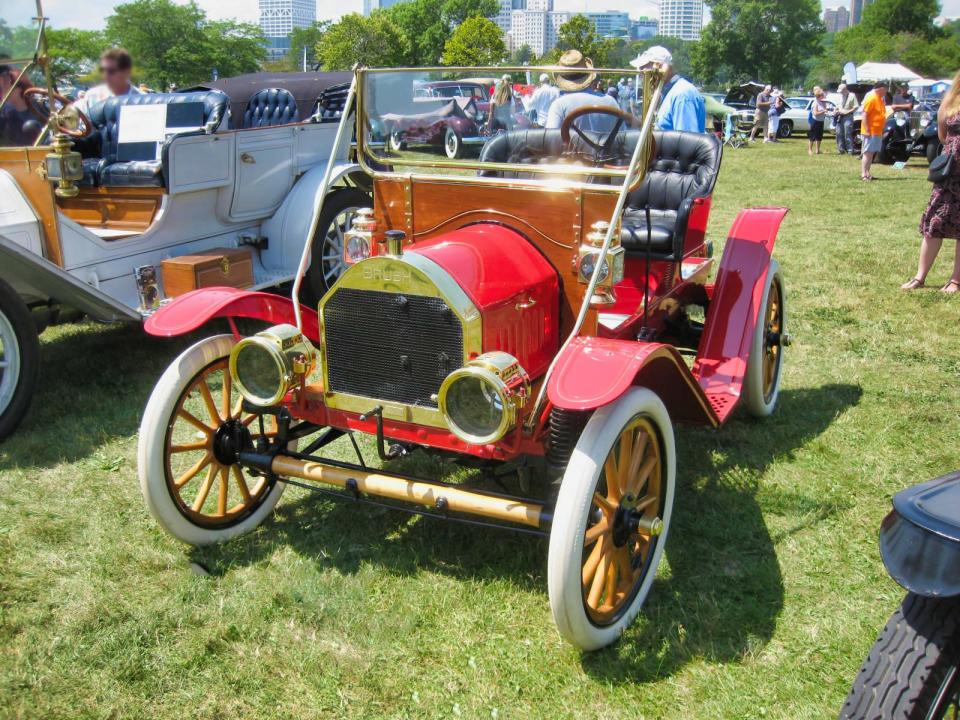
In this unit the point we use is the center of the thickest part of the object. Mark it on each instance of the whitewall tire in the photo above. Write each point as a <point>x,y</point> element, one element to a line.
<point>761,385</point>
<point>607,538</point>
<point>195,496</point>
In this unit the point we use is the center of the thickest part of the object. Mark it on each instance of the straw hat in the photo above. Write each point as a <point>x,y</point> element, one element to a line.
<point>574,81</point>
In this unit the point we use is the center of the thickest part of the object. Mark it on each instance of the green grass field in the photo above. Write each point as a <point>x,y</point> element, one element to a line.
<point>771,593</point>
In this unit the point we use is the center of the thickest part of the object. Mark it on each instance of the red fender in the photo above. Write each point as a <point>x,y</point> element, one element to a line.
<point>188,312</point>
<point>593,372</point>
<point>735,304</point>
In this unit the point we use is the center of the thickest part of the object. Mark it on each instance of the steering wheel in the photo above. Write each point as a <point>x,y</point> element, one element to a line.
<point>70,120</point>
<point>603,145</point>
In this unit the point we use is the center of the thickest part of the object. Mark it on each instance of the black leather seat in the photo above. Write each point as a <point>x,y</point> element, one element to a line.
<point>273,106</point>
<point>685,167</point>
<point>101,166</point>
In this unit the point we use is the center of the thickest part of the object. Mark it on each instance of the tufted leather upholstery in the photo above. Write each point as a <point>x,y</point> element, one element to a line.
<point>329,106</point>
<point>105,117</point>
<point>273,106</point>
<point>685,167</point>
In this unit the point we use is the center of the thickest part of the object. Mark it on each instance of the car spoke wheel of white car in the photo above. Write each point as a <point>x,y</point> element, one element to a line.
<point>19,359</point>
<point>196,494</point>
<point>611,519</point>
<point>785,129</point>
<point>327,263</point>
<point>761,386</point>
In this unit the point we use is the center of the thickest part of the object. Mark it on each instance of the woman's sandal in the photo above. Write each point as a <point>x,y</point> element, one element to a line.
<point>951,288</point>
<point>912,284</point>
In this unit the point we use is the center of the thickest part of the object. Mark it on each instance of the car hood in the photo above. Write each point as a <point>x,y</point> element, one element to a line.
<point>744,94</point>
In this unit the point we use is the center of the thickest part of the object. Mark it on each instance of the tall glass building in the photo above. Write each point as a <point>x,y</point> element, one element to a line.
<point>278,18</point>
<point>681,19</point>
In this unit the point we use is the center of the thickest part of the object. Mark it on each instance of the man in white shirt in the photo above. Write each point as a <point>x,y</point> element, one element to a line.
<point>542,99</point>
<point>575,86</point>
<point>116,65</point>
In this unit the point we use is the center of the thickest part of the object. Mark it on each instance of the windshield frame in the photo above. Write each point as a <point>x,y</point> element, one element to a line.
<point>551,175</point>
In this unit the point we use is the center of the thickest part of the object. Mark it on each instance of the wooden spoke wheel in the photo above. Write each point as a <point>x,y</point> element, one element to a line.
<point>761,385</point>
<point>611,519</point>
<point>624,521</point>
<point>207,487</point>
<point>189,436</point>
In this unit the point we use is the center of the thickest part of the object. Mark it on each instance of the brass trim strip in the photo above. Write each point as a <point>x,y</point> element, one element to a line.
<point>412,491</point>
<point>497,213</point>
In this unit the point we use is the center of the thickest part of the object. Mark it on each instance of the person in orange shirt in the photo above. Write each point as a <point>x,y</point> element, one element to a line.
<point>871,128</point>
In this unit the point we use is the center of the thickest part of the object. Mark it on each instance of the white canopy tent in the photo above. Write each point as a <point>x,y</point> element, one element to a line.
<point>895,72</point>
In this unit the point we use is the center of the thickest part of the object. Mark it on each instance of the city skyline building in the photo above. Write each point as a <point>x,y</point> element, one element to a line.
<point>643,28</point>
<point>856,10</point>
<point>682,19</point>
<point>836,19</point>
<point>278,18</point>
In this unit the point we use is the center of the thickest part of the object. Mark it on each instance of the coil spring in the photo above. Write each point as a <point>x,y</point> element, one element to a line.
<point>565,429</point>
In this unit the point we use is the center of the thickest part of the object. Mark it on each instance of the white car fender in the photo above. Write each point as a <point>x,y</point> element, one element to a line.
<point>286,231</point>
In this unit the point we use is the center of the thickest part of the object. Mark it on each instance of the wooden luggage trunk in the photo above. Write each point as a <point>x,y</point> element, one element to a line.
<point>217,267</point>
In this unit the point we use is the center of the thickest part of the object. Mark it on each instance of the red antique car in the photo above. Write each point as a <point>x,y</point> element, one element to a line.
<point>527,313</point>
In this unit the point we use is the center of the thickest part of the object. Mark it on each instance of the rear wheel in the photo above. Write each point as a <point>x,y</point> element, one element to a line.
<point>452,144</point>
<point>785,129</point>
<point>611,519</point>
<point>913,670</point>
<point>196,493</point>
<point>336,218</point>
<point>19,359</point>
<point>761,385</point>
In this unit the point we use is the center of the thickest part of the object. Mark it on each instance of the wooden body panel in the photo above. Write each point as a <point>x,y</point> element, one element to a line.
<point>219,267</point>
<point>553,219</point>
<point>27,167</point>
<point>116,208</point>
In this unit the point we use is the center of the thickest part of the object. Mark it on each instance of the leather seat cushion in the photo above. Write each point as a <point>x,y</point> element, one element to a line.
<point>273,106</point>
<point>91,172</point>
<point>134,173</point>
<point>633,233</point>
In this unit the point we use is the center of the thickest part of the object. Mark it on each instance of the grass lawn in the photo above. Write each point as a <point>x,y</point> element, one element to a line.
<point>771,593</point>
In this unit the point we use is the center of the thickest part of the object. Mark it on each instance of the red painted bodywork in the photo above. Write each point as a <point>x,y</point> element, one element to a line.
<point>593,372</point>
<point>515,288</point>
<point>188,312</point>
<point>736,297</point>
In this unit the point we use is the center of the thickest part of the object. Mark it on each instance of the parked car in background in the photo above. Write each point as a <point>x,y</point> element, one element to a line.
<point>744,99</point>
<point>797,118</point>
<point>115,228</point>
<point>923,129</point>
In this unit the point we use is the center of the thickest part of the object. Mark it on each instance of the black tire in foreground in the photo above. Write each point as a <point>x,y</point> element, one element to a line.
<point>912,669</point>
<point>326,261</point>
<point>19,361</point>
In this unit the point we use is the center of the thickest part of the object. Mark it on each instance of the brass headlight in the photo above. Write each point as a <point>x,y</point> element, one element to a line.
<point>266,365</point>
<point>482,400</point>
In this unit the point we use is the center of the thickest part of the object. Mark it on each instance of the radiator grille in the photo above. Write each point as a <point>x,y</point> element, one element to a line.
<point>386,346</point>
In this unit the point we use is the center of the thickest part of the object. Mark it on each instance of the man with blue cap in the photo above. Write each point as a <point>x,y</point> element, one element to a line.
<point>681,105</point>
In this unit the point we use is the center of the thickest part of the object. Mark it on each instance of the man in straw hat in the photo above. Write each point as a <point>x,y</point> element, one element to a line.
<point>681,104</point>
<point>575,85</point>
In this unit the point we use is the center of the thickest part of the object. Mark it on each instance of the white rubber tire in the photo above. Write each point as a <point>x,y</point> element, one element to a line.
<point>151,448</point>
<point>565,556</point>
<point>753,397</point>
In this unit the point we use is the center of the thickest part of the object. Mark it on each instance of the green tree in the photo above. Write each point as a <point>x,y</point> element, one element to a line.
<point>173,43</point>
<point>578,34</point>
<point>374,41</point>
<point>18,41</point>
<point>305,39</point>
<point>75,52</point>
<point>766,40</point>
<point>477,41</point>
<point>429,24</point>
<point>522,55</point>
<point>915,17</point>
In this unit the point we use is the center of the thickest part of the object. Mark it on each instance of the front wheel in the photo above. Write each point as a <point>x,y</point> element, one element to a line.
<point>785,129</point>
<point>191,487</point>
<point>19,359</point>
<point>761,385</point>
<point>611,519</point>
<point>913,670</point>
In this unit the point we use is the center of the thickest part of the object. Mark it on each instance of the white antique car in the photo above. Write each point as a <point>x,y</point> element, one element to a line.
<point>87,219</point>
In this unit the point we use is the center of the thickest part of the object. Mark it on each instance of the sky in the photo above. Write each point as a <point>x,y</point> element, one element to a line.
<point>91,14</point>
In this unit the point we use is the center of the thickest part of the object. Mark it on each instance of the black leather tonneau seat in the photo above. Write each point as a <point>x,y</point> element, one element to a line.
<point>685,167</point>
<point>101,166</point>
<point>269,107</point>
